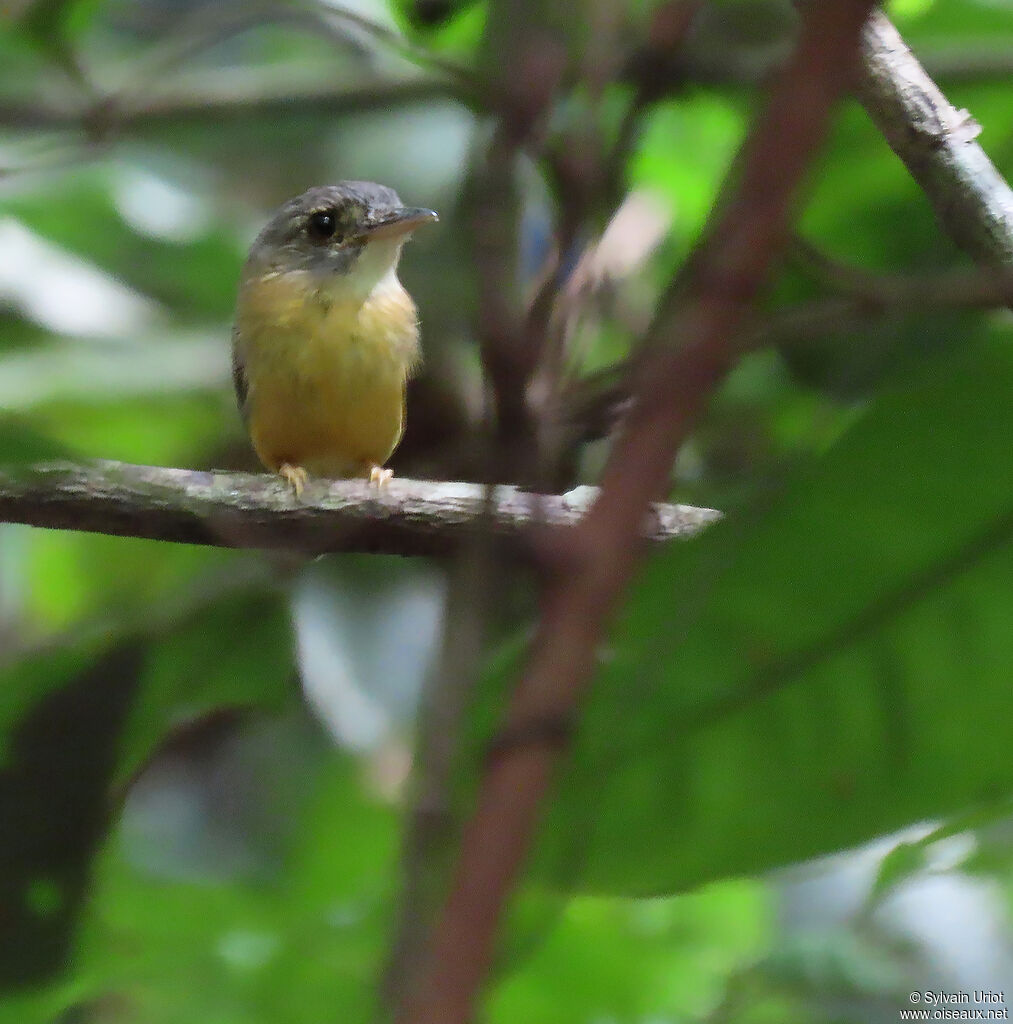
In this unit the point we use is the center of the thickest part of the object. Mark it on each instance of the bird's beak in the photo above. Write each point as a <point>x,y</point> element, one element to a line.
<point>400,222</point>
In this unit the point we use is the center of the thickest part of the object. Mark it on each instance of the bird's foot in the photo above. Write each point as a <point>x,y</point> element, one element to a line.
<point>295,476</point>
<point>380,477</point>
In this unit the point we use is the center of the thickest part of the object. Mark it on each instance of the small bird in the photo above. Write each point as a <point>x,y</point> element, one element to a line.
<point>326,337</point>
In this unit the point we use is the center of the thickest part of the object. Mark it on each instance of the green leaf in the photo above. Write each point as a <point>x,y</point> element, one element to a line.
<point>52,27</point>
<point>23,683</point>
<point>116,583</point>
<point>172,430</point>
<point>59,745</point>
<point>638,959</point>
<point>195,278</point>
<point>49,19</point>
<point>820,673</point>
<point>900,864</point>
<point>287,948</point>
<point>958,21</point>
<point>235,653</point>
<point>22,444</point>
<point>685,149</point>
<point>449,27</point>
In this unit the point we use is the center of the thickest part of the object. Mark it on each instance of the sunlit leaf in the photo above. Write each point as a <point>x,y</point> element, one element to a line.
<point>629,960</point>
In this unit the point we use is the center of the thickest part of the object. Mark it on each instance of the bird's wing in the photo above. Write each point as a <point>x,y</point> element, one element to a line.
<point>239,379</point>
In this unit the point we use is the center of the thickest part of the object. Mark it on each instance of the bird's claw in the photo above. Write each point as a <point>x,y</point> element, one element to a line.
<point>380,477</point>
<point>295,476</point>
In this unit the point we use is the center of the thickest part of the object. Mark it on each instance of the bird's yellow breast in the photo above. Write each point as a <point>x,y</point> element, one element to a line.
<point>326,372</point>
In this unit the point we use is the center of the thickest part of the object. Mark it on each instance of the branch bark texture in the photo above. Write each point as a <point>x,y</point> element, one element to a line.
<point>675,384</point>
<point>937,144</point>
<point>406,517</point>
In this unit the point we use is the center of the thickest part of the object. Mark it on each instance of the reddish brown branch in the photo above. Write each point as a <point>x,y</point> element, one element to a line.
<point>673,387</point>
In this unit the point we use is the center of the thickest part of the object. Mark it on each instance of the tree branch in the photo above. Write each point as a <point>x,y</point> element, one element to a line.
<point>408,517</point>
<point>936,142</point>
<point>744,67</point>
<point>933,139</point>
<point>706,310</point>
<point>972,201</point>
<point>595,404</point>
<point>223,96</point>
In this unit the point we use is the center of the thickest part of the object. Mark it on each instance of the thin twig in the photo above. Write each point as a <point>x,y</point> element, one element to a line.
<point>396,41</point>
<point>749,231</point>
<point>210,26</point>
<point>406,517</point>
<point>988,287</point>
<point>220,97</point>
<point>595,404</point>
<point>589,182</point>
<point>896,297</point>
<point>522,64</point>
<point>747,67</point>
<point>432,827</point>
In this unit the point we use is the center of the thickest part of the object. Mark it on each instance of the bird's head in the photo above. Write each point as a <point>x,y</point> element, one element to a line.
<point>348,235</point>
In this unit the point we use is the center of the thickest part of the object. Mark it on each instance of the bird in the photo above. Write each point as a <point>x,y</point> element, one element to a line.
<point>326,337</point>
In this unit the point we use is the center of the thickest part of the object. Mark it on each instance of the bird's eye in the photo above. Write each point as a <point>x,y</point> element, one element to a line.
<point>323,226</point>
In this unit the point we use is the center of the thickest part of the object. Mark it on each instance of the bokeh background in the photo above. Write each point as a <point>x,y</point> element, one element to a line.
<point>205,754</point>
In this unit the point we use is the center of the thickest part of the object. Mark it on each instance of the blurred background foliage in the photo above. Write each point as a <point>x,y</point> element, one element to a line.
<point>204,754</point>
